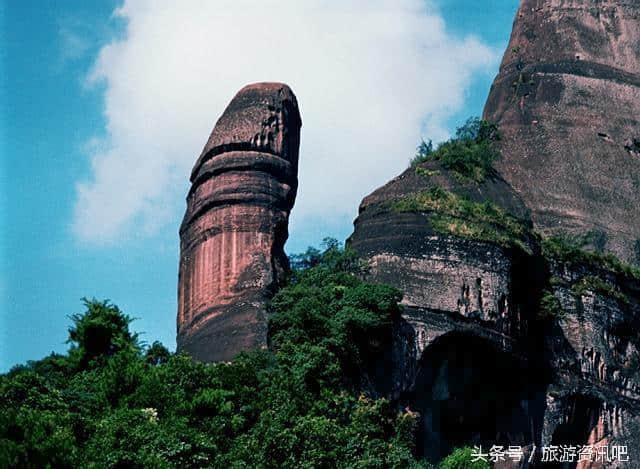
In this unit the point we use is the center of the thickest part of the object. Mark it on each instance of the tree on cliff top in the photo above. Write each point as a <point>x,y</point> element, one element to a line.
<point>470,154</point>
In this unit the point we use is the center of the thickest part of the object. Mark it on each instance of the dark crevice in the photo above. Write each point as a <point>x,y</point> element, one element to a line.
<point>581,417</point>
<point>227,148</point>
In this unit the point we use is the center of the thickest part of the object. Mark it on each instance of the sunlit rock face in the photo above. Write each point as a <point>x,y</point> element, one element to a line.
<point>567,101</point>
<point>236,223</point>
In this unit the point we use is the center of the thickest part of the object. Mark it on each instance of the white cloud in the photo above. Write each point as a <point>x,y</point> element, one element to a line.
<point>371,77</point>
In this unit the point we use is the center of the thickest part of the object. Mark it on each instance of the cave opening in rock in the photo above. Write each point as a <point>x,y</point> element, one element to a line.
<point>469,392</point>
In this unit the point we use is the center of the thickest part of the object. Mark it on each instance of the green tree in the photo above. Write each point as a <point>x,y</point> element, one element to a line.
<point>111,403</point>
<point>157,354</point>
<point>470,154</point>
<point>100,332</point>
<point>35,423</point>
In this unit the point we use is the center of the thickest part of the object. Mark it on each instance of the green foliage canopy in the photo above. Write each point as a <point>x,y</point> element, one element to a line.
<point>462,458</point>
<point>111,402</point>
<point>470,154</point>
<point>100,332</point>
<point>571,250</point>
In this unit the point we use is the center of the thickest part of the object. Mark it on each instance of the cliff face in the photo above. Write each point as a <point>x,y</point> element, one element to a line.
<point>456,248</point>
<point>567,101</point>
<point>506,337</point>
<point>594,353</point>
<point>433,269</point>
<point>235,226</point>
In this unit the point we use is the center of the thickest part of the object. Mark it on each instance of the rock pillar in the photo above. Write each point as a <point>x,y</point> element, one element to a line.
<point>235,226</point>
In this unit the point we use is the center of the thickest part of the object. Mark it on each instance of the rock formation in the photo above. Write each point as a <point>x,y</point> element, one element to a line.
<point>505,338</point>
<point>594,354</point>
<point>510,337</point>
<point>236,223</point>
<point>470,277</point>
<point>567,101</point>
<point>463,323</point>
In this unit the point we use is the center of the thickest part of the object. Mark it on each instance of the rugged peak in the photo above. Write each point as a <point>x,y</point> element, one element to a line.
<point>431,174</point>
<point>567,101</point>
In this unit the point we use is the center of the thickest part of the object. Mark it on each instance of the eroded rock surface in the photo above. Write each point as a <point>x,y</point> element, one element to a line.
<point>593,349</point>
<point>508,345</point>
<point>503,343</point>
<point>463,327</point>
<point>435,270</point>
<point>567,101</point>
<point>236,223</point>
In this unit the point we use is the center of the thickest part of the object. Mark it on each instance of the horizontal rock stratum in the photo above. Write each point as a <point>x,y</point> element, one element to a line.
<point>508,337</point>
<point>567,101</point>
<point>236,223</point>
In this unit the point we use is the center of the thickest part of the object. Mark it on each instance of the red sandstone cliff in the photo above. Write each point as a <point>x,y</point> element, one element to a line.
<point>567,100</point>
<point>235,226</point>
<point>478,351</point>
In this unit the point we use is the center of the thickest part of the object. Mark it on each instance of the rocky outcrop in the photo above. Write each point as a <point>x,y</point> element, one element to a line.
<point>434,269</point>
<point>235,226</point>
<point>505,338</point>
<point>594,354</point>
<point>456,247</point>
<point>567,101</point>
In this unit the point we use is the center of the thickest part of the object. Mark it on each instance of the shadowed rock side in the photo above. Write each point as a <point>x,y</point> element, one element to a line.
<point>435,269</point>
<point>567,101</point>
<point>235,226</point>
<point>594,355</point>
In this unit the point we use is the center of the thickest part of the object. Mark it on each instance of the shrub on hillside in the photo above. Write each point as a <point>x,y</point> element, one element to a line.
<point>470,154</point>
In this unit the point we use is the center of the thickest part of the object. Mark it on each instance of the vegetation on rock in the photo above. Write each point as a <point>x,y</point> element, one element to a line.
<point>570,250</point>
<point>470,154</point>
<point>456,215</point>
<point>595,284</point>
<point>420,171</point>
<point>550,307</point>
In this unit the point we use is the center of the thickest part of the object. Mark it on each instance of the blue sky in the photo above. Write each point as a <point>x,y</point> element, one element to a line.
<point>103,114</point>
